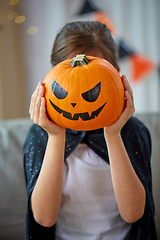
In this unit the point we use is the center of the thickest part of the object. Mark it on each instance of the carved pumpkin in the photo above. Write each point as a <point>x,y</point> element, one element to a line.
<point>84,94</point>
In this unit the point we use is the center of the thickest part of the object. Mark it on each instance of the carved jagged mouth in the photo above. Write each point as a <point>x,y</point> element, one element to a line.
<point>84,116</point>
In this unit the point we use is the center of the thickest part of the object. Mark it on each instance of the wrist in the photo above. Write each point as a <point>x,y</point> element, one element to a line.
<point>58,136</point>
<point>111,135</point>
<point>56,143</point>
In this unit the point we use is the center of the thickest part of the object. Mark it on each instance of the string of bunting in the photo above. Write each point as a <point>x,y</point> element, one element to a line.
<point>140,65</point>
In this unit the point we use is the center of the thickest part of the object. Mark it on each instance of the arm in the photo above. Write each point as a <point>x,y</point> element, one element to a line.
<point>47,193</point>
<point>129,191</point>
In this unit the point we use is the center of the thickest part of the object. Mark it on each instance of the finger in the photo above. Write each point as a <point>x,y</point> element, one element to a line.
<point>34,95</point>
<point>129,103</point>
<point>33,102</point>
<point>38,104</point>
<point>34,98</point>
<point>42,113</point>
<point>127,86</point>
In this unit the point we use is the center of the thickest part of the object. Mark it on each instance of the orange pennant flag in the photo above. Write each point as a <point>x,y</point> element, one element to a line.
<point>102,17</point>
<point>141,66</point>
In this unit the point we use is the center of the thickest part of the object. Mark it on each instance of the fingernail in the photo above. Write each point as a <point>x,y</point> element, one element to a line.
<point>42,100</point>
<point>41,88</point>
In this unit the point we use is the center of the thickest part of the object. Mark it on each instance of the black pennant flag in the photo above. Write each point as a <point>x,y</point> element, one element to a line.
<point>88,7</point>
<point>124,49</point>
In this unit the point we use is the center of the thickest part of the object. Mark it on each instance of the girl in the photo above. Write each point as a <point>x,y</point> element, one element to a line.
<point>103,188</point>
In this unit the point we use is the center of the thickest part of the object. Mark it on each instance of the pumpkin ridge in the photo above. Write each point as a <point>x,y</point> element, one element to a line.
<point>92,72</point>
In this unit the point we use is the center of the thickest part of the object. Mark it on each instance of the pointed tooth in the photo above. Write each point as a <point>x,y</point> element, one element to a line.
<point>90,113</point>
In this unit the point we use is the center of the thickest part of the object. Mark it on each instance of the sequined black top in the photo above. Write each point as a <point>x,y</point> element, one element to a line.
<point>137,141</point>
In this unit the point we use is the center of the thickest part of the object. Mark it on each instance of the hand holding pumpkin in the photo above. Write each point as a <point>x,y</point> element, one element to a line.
<point>38,112</point>
<point>128,111</point>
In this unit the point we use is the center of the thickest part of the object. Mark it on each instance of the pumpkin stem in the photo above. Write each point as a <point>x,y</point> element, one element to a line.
<point>79,60</point>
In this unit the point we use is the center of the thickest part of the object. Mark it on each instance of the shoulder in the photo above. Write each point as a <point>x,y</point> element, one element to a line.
<point>135,123</point>
<point>36,135</point>
<point>136,128</point>
<point>136,135</point>
<point>36,131</point>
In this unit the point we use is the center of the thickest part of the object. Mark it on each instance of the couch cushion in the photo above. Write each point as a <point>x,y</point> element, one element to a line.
<point>152,121</point>
<point>12,182</point>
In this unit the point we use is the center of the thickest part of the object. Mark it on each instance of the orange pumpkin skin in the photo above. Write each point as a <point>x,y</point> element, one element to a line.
<point>71,108</point>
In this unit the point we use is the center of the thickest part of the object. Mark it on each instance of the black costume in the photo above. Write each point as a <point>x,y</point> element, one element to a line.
<point>137,141</point>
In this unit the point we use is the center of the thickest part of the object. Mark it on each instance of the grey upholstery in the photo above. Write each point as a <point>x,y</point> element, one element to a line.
<point>12,183</point>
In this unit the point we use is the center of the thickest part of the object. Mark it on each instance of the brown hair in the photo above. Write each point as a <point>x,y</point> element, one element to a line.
<point>86,37</point>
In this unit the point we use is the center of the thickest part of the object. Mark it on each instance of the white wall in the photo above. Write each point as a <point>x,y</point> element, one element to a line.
<point>137,22</point>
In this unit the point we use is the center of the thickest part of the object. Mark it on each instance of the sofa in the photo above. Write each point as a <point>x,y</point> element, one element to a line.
<point>13,197</point>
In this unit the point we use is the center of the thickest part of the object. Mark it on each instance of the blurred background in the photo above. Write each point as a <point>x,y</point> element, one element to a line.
<point>28,29</point>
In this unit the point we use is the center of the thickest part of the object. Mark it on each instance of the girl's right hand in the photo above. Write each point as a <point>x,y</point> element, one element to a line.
<point>38,113</point>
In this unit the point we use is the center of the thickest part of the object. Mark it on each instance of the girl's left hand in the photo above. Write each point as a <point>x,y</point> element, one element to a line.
<point>128,110</point>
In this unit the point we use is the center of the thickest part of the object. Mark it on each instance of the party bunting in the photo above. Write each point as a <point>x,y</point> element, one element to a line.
<point>124,49</point>
<point>88,7</point>
<point>141,66</point>
<point>102,17</point>
<point>159,71</point>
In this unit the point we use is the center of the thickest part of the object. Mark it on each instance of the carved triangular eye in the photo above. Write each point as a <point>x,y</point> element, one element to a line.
<point>58,91</point>
<point>92,94</point>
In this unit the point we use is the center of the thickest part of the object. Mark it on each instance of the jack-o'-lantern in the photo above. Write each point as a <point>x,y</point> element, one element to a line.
<point>84,93</point>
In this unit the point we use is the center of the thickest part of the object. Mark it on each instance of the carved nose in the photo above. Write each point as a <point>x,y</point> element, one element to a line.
<point>73,104</point>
